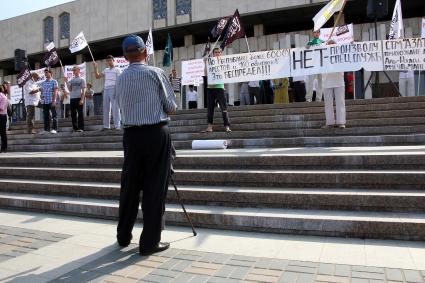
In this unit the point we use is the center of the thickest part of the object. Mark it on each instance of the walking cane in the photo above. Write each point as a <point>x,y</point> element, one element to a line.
<point>173,156</point>
<point>181,203</point>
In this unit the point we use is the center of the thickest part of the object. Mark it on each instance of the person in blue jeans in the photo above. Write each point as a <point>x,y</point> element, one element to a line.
<point>49,94</point>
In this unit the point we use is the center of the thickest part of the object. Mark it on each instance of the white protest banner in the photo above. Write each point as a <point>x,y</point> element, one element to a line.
<point>121,63</point>
<point>337,58</point>
<point>70,75</point>
<point>423,28</point>
<point>15,94</point>
<point>342,34</point>
<point>246,67</point>
<point>404,54</point>
<point>192,72</point>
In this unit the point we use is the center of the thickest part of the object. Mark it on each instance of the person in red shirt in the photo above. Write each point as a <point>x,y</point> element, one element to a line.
<point>349,91</point>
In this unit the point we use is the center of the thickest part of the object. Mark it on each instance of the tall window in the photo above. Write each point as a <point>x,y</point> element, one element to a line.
<point>159,9</point>
<point>64,26</point>
<point>183,7</point>
<point>48,29</point>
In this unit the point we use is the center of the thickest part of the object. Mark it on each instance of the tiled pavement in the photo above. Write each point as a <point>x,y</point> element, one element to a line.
<point>15,242</point>
<point>177,265</point>
<point>49,248</point>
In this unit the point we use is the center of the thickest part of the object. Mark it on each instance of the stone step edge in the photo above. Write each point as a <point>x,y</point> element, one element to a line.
<point>383,225</point>
<point>229,189</point>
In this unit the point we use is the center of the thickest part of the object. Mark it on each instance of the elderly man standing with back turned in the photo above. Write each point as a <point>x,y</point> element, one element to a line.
<point>145,97</point>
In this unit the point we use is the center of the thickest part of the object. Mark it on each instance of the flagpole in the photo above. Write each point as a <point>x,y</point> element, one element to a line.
<point>247,45</point>
<point>419,82</point>
<point>215,43</point>
<point>63,69</point>
<point>337,19</point>
<point>90,52</point>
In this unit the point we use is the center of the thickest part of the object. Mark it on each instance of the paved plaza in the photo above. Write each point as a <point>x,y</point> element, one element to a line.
<point>50,248</point>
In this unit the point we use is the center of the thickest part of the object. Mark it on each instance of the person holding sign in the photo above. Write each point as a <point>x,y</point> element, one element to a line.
<point>215,93</point>
<point>316,41</point>
<point>406,83</point>
<point>109,96</point>
<point>32,98</point>
<point>334,88</point>
<point>3,118</point>
<point>77,91</point>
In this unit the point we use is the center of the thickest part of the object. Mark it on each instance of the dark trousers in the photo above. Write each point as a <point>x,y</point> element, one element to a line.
<point>217,95</point>
<point>77,109</point>
<point>30,118</point>
<point>254,92</point>
<point>193,104</point>
<point>299,91</point>
<point>3,134</point>
<point>47,109</point>
<point>147,165</point>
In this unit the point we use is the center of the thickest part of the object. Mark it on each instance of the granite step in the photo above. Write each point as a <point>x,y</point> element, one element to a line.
<point>371,179</point>
<point>401,158</point>
<point>381,225</point>
<point>258,197</point>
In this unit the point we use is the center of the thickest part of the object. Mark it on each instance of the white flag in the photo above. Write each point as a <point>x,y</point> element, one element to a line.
<point>78,43</point>
<point>423,28</point>
<point>50,46</point>
<point>396,29</point>
<point>149,43</point>
<point>326,13</point>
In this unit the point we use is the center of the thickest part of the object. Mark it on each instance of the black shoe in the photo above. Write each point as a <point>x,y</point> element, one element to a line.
<point>3,151</point>
<point>158,248</point>
<point>124,242</point>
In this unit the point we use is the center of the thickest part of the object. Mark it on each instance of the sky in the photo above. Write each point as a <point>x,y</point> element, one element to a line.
<point>15,8</point>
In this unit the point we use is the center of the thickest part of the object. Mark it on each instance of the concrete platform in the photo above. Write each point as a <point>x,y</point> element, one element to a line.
<point>84,250</point>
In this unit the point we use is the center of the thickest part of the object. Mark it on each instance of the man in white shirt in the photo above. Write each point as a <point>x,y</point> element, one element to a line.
<point>65,99</point>
<point>407,83</point>
<point>334,88</point>
<point>254,92</point>
<point>31,98</point>
<point>192,97</point>
<point>109,96</point>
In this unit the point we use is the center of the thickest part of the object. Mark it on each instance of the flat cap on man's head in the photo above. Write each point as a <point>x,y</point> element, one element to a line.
<point>133,43</point>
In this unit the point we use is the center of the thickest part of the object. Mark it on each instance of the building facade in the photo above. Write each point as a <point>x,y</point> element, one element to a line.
<point>270,24</point>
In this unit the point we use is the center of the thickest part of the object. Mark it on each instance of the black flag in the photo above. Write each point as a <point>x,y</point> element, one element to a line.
<point>234,30</point>
<point>24,76</point>
<point>219,27</point>
<point>51,58</point>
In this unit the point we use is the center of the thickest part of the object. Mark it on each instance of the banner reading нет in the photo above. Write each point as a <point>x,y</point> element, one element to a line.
<point>336,58</point>
<point>263,65</point>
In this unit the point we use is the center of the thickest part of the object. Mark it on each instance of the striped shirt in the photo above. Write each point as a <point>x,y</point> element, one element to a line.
<point>176,82</point>
<point>48,87</point>
<point>144,95</point>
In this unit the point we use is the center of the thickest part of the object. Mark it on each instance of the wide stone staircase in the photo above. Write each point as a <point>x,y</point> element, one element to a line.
<point>280,176</point>
<point>389,121</point>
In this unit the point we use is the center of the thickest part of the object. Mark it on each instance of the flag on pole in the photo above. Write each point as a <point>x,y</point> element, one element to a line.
<point>50,46</point>
<point>219,27</point>
<point>234,30</point>
<point>207,48</point>
<point>327,12</point>
<point>149,44</point>
<point>51,58</point>
<point>168,53</point>
<point>396,28</point>
<point>23,76</point>
<point>78,43</point>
